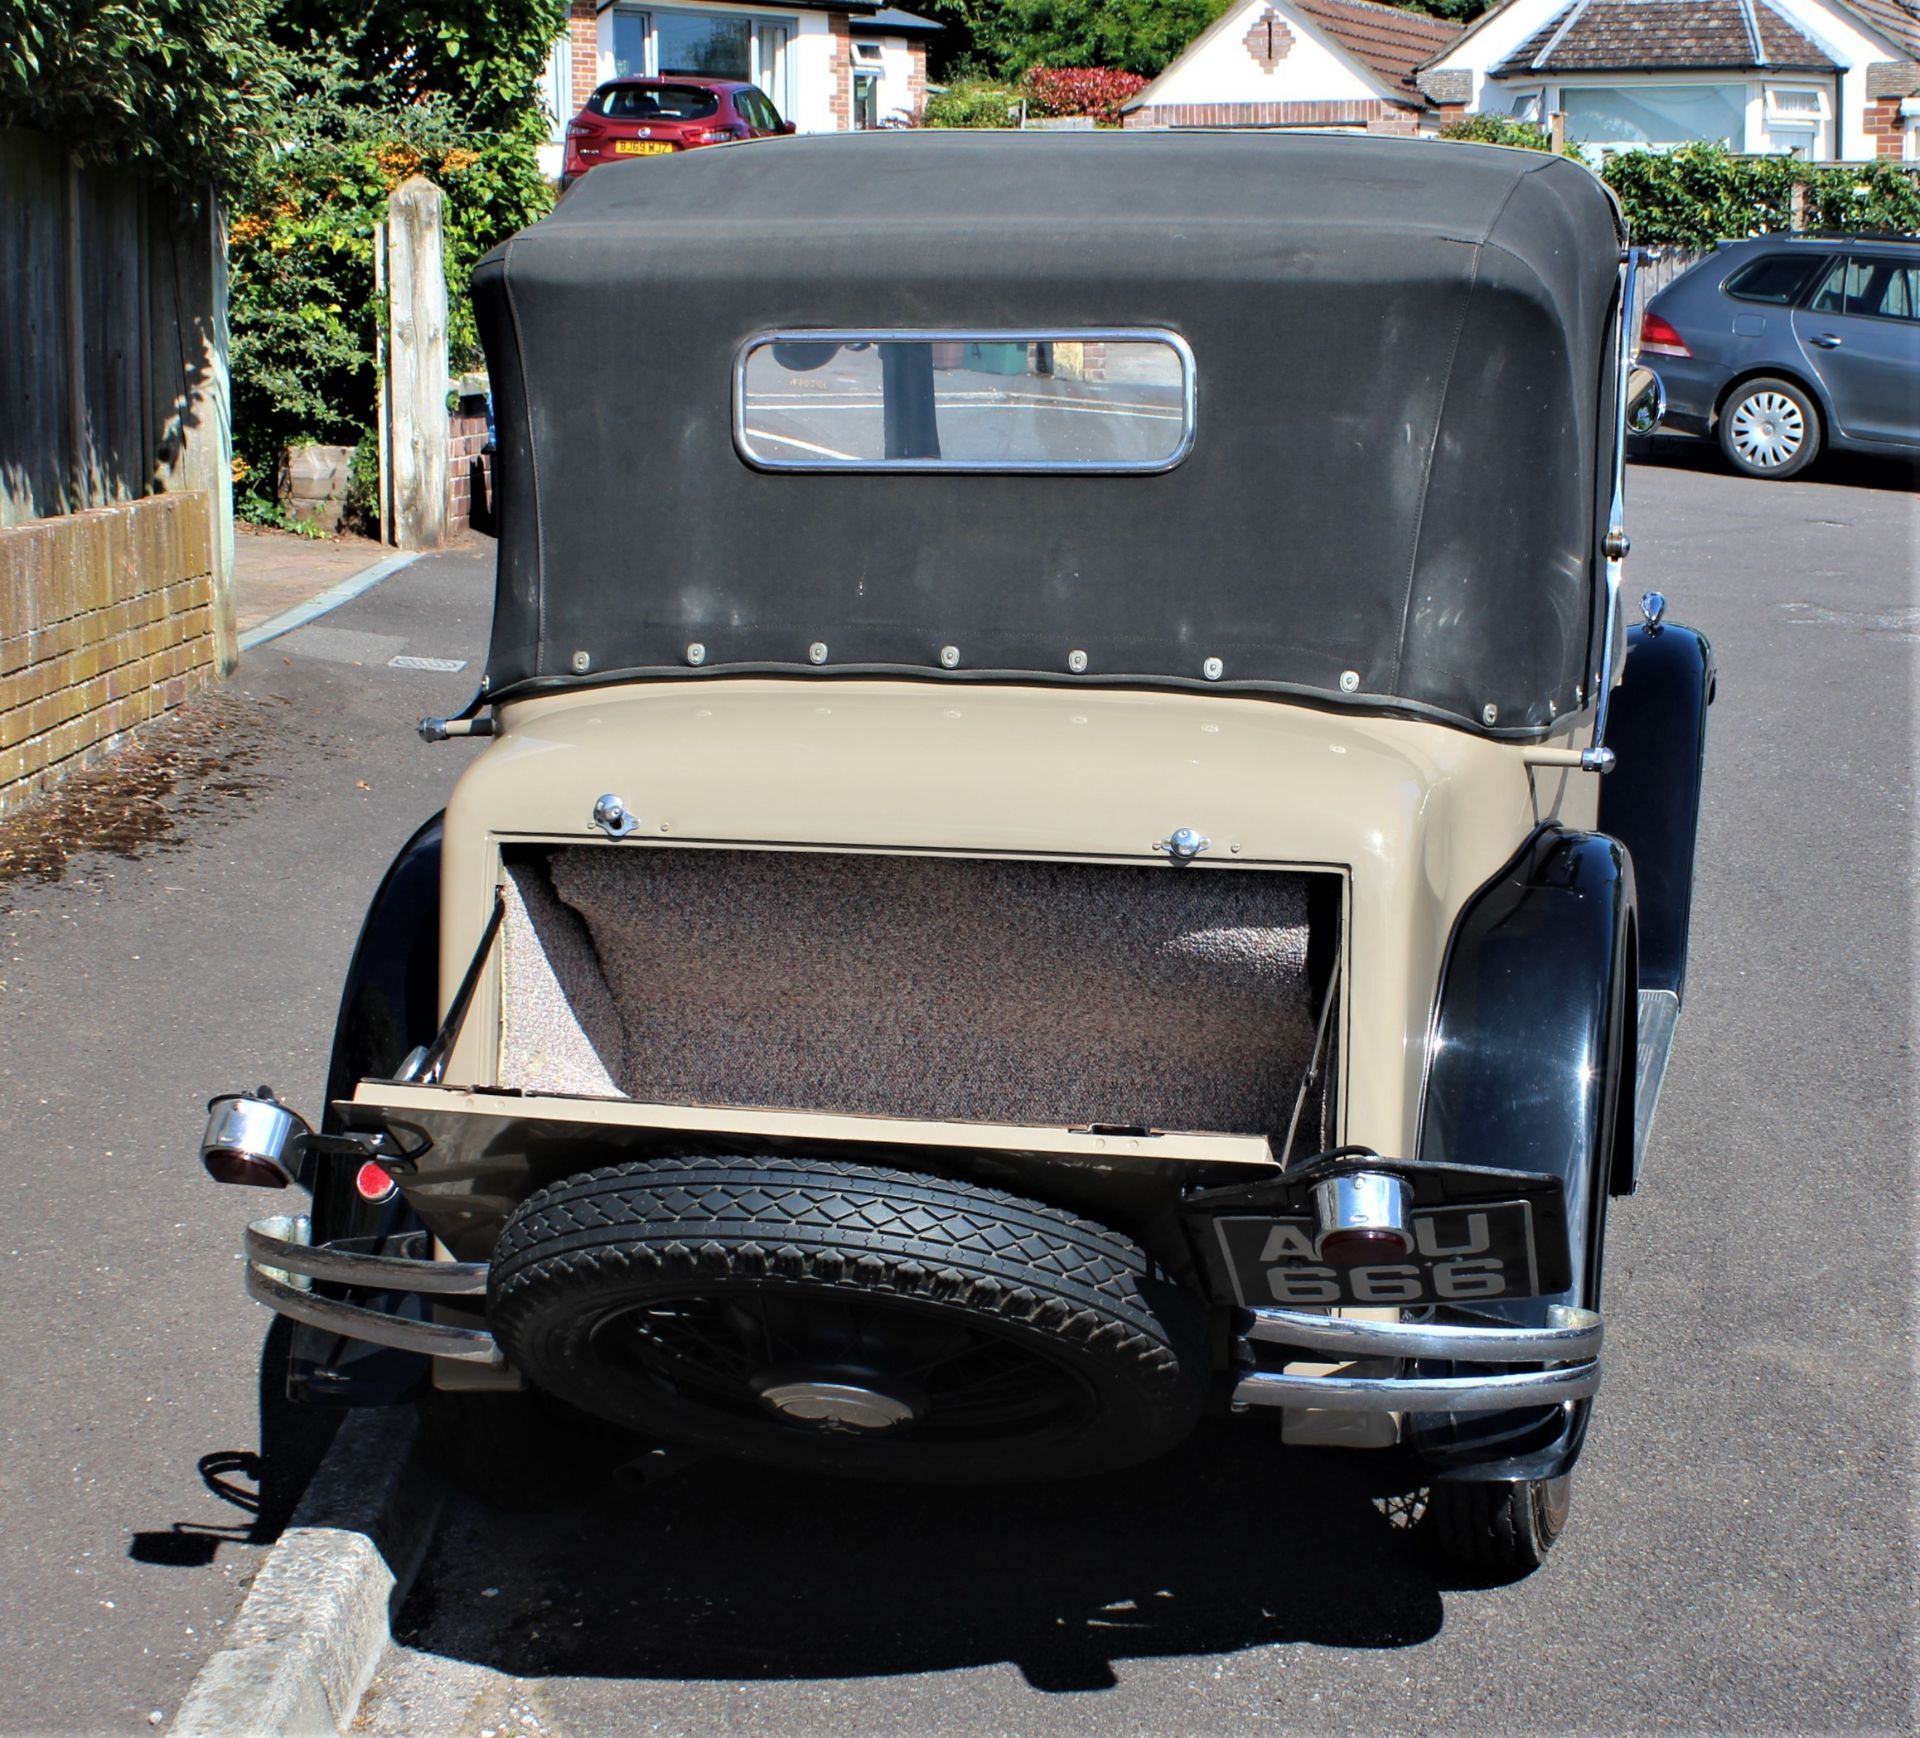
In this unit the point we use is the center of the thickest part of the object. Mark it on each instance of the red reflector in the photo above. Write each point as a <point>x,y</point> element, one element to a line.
<point>373,1183</point>
<point>1356,1247</point>
<point>1658,337</point>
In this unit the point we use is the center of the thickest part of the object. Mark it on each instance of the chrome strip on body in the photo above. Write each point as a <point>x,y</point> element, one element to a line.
<point>1659,1012</point>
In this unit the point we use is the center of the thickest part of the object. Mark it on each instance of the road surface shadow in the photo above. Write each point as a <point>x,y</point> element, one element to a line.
<point>735,1572</point>
<point>1842,470</point>
<point>262,1485</point>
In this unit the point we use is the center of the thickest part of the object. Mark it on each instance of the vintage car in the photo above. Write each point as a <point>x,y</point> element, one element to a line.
<point>1071,832</point>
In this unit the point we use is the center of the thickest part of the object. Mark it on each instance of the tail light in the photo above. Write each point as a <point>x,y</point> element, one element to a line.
<point>1658,338</point>
<point>373,1184</point>
<point>577,130</point>
<point>717,135</point>
<point>1361,1217</point>
<point>251,1138</point>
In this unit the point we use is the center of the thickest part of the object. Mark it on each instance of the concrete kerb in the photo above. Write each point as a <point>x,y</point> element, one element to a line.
<point>316,1621</point>
<point>332,598</point>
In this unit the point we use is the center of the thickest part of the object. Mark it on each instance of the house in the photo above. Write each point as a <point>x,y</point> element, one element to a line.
<point>1823,79</point>
<point>828,65</point>
<point>1302,63</point>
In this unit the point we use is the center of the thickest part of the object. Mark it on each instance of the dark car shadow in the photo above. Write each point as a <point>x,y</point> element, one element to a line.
<point>1843,470</point>
<point>262,1485</point>
<point>734,1572</point>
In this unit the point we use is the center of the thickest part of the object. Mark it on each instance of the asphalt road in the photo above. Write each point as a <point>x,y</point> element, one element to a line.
<point>1740,1555</point>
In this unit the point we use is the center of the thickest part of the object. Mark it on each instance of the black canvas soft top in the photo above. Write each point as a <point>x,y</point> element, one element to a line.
<point>1404,357</point>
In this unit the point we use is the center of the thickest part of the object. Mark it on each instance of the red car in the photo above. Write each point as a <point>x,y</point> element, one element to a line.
<point>648,117</point>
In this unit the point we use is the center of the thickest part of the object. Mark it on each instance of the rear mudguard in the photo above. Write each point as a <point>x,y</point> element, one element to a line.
<point>389,1006</point>
<point>1529,1069</point>
<point>1650,802</point>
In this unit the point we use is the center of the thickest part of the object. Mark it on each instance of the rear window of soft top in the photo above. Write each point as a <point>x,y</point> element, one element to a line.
<point>657,102</point>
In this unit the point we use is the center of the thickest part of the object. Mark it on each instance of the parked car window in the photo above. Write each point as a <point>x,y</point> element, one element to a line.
<point>1846,281</point>
<point>758,110</point>
<point>666,102</point>
<point>1892,292</point>
<point>974,401</point>
<point>1777,278</point>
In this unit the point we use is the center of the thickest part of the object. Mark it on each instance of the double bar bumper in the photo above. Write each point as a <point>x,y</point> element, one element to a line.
<point>282,1265</point>
<point>1564,1356</point>
<point>1567,1352</point>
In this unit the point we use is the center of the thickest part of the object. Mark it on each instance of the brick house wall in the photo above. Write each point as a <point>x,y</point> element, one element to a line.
<point>583,26</point>
<point>106,621</point>
<point>841,62</point>
<point>917,79</point>
<point>1886,130</point>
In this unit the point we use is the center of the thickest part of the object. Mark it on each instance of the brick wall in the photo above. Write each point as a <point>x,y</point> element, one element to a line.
<point>841,63</point>
<point>583,25</point>
<point>1377,117</point>
<point>1886,131</point>
<point>467,437</point>
<point>106,621</point>
<point>916,78</point>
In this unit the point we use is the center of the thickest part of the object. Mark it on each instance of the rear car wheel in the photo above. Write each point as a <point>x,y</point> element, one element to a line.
<point>1498,1529</point>
<point>1769,428</point>
<point>849,1318</point>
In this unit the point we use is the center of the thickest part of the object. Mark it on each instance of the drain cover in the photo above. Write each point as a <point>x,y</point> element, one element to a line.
<point>449,665</point>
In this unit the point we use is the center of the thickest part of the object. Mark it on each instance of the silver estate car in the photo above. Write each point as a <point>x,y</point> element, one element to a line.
<point>1781,346</point>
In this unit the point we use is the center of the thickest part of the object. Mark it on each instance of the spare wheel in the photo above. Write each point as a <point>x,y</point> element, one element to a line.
<point>848,1318</point>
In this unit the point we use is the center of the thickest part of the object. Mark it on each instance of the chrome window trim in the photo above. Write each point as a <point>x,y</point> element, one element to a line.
<point>966,335</point>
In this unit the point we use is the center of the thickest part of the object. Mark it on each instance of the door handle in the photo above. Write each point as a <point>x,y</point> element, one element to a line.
<point>1828,340</point>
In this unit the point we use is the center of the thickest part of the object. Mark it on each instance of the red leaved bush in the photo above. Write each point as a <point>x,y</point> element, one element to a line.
<point>1098,91</point>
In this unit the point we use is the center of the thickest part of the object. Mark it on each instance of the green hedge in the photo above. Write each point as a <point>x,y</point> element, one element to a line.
<point>1697,195</point>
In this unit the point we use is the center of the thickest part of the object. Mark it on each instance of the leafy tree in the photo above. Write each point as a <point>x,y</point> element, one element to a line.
<point>486,56</point>
<point>186,90</point>
<point>1129,35</point>
<point>1454,11</point>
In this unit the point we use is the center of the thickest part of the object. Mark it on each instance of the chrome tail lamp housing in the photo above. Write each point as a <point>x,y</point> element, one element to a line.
<point>252,1138</point>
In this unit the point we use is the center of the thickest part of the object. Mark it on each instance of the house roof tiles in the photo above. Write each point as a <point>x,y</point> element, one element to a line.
<point>1898,20</point>
<point>1665,36</point>
<point>1388,42</point>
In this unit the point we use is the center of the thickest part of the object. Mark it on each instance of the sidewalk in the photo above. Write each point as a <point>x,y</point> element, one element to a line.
<point>273,571</point>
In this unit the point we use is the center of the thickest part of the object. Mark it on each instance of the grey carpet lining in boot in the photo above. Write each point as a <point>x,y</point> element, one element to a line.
<point>943,988</point>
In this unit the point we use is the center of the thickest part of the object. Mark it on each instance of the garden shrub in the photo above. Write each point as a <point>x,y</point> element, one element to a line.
<point>1099,91</point>
<point>972,103</point>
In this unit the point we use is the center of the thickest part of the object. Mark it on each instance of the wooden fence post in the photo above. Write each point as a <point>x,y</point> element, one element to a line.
<point>416,377</point>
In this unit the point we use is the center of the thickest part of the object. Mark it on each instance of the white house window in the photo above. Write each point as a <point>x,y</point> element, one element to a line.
<point>659,42</point>
<point>867,53</point>
<point>1621,117</point>
<point>1796,119</point>
<point>1529,105</point>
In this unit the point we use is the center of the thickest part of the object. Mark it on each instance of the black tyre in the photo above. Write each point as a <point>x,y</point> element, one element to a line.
<point>1769,428</point>
<point>524,1452</point>
<point>847,1318</point>
<point>1498,1529</point>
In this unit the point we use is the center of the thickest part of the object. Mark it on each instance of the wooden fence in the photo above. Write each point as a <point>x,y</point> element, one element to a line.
<point>113,346</point>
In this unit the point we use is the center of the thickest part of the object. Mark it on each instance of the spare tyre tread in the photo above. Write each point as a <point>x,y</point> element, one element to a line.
<point>868,1230</point>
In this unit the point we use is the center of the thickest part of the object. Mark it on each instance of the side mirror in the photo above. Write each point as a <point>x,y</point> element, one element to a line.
<point>1646,400</point>
<point>788,127</point>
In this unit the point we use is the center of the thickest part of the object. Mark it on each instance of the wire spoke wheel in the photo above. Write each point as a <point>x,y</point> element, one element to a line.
<point>848,1318</point>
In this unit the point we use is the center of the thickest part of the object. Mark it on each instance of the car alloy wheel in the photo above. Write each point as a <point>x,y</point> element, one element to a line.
<point>1769,428</point>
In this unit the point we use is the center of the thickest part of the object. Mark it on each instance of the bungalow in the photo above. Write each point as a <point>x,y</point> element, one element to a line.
<point>828,65</point>
<point>1824,79</point>
<point>1301,63</point>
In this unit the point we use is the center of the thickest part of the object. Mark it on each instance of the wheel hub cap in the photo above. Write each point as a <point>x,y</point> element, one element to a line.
<point>836,1405</point>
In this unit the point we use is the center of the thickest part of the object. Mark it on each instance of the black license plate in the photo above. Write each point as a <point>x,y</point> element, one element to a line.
<point>1463,1253</point>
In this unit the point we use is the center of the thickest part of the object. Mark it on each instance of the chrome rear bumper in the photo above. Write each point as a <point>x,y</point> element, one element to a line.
<point>282,1265</point>
<point>1567,1351</point>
